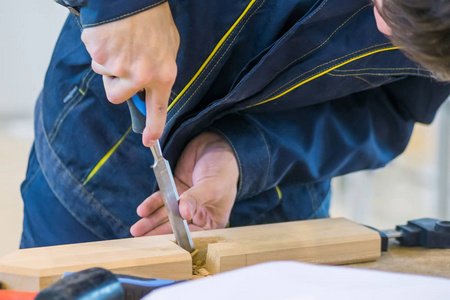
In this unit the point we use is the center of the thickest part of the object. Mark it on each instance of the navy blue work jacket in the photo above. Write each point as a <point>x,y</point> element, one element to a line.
<point>303,90</point>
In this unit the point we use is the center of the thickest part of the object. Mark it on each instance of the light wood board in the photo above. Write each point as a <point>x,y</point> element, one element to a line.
<point>323,241</point>
<point>36,268</point>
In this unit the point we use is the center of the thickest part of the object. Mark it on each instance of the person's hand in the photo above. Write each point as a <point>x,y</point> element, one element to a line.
<point>135,53</point>
<point>206,177</point>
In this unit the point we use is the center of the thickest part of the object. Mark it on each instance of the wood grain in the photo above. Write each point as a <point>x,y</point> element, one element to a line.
<point>36,268</point>
<point>323,241</point>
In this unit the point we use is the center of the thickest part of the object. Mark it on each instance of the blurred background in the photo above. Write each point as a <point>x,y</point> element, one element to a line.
<point>413,186</point>
<point>28,33</point>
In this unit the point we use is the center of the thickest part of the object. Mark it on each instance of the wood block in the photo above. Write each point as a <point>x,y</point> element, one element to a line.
<point>36,268</point>
<point>323,241</point>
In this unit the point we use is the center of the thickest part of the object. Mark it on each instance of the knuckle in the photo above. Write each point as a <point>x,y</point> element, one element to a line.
<point>119,70</point>
<point>142,79</point>
<point>113,97</point>
<point>98,55</point>
<point>94,67</point>
<point>164,75</point>
<point>154,135</point>
<point>177,40</point>
<point>168,74</point>
<point>85,36</point>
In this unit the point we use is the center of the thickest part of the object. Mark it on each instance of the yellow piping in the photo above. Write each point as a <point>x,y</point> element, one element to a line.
<point>280,195</point>
<point>210,56</point>
<point>106,157</point>
<point>323,73</point>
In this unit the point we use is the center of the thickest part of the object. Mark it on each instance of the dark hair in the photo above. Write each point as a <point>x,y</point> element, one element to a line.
<point>421,28</point>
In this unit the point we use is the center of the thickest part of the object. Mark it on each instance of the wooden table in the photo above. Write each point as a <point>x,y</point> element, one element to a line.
<point>411,260</point>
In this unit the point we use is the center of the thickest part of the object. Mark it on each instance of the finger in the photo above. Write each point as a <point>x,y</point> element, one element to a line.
<point>193,227</point>
<point>156,101</point>
<point>181,186</point>
<point>100,69</point>
<point>163,228</point>
<point>145,225</point>
<point>118,90</point>
<point>150,205</point>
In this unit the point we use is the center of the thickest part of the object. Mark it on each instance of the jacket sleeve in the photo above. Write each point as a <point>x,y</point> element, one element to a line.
<point>96,12</point>
<point>365,130</point>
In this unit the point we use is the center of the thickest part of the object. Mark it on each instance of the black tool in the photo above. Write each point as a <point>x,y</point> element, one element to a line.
<point>428,233</point>
<point>90,284</point>
<point>100,284</point>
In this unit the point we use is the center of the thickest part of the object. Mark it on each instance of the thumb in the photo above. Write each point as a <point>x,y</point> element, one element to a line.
<point>188,205</point>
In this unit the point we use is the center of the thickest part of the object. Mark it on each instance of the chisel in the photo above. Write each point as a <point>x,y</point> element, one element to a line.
<point>163,176</point>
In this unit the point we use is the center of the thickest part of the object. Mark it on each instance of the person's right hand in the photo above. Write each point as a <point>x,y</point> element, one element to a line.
<point>135,53</point>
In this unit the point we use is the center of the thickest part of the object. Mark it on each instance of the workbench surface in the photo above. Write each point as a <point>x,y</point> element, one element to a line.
<point>411,260</point>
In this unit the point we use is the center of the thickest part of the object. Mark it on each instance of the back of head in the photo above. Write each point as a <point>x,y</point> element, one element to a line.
<point>421,28</point>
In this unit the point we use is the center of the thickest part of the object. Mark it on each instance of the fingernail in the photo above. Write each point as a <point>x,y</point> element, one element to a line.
<point>187,207</point>
<point>132,230</point>
<point>151,143</point>
<point>138,212</point>
<point>148,143</point>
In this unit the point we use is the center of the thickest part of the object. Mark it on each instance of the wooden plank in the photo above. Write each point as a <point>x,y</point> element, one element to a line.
<point>324,241</point>
<point>36,268</point>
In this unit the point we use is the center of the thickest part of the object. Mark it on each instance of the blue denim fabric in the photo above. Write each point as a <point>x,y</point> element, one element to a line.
<point>98,12</point>
<point>283,203</point>
<point>46,221</point>
<point>302,90</point>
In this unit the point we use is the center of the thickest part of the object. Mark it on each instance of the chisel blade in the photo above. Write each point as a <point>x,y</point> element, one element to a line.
<point>170,196</point>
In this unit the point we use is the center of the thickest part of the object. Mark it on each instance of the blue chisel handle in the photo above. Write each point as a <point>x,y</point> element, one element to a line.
<point>137,111</point>
<point>143,282</point>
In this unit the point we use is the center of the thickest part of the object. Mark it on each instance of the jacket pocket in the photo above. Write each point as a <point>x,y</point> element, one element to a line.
<point>68,100</point>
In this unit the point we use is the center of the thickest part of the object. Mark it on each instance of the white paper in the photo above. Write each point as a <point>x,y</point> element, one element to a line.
<point>301,281</point>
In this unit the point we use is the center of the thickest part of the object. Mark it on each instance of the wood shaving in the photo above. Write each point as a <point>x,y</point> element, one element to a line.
<point>203,272</point>
<point>198,266</point>
<point>194,253</point>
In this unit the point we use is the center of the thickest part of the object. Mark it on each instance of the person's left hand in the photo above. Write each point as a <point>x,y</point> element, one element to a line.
<point>206,177</point>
